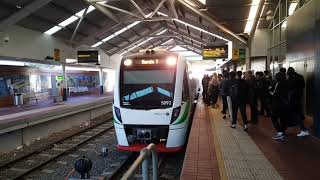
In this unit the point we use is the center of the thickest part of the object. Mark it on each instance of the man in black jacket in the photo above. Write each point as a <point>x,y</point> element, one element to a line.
<point>296,84</point>
<point>252,97</point>
<point>239,94</point>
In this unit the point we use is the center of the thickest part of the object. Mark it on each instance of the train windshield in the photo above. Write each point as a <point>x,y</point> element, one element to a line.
<point>147,88</point>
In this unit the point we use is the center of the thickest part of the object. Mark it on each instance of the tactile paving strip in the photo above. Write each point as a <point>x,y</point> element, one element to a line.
<point>241,157</point>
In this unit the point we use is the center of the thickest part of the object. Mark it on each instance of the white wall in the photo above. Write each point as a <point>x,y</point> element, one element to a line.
<point>26,43</point>
<point>260,43</point>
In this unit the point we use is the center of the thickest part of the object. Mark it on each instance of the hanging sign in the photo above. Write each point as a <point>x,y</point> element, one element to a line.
<point>215,52</point>
<point>56,54</point>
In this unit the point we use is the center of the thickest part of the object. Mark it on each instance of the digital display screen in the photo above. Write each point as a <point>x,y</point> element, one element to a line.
<point>215,52</point>
<point>147,61</point>
<point>88,57</point>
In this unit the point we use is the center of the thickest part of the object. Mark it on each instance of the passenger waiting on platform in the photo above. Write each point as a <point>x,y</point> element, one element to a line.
<point>224,93</point>
<point>283,70</point>
<point>213,90</point>
<point>252,98</point>
<point>280,106</point>
<point>205,82</point>
<point>230,84</point>
<point>239,94</point>
<point>296,85</point>
<point>262,92</point>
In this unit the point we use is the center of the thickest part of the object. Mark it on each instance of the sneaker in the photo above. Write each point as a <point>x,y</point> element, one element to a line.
<point>233,126</point>
<point>303,133</point>
<point>245,128</point>
<point>278,136</point>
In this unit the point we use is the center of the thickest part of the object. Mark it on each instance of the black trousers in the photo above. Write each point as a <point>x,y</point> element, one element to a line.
<point>280,121</point>
<point>264,107</point>
<point>253,110</point>
<point>298,112</point>
<point>242,107</point>
<point>224,104</point>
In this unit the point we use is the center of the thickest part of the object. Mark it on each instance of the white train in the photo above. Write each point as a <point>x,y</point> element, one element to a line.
<point>153,100</point>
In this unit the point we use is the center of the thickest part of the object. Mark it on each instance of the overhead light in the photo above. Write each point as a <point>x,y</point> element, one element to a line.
<point>53,30</point>
<point>68,21</point>
<point>203,2</point>
<point>167,42</point>
<point>252,15</point>
<point>11,63</point>
<point>127,62</point>
<point>97,44</point>
<point>171,61</point>
<point>19,7</point>
<point>284,24</point>
<point>292,8</point>
<point>190,3</point>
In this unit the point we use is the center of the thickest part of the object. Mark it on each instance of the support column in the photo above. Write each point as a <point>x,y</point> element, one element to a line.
<point>101,81</point>
<point>247,61</point>
<point>64,84</point>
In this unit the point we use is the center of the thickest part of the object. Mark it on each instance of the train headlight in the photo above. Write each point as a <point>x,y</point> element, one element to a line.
<point>127,62</point>
<point>118,114</point>
<point>171,61</point>
<point>175,114</point>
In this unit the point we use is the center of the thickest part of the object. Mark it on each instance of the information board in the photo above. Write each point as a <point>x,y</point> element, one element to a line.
<point>215,52</point>
<point>88,57</point>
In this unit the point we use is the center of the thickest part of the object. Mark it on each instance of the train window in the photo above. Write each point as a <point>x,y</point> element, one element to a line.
<point>185,88</point>
<point>147,89</point>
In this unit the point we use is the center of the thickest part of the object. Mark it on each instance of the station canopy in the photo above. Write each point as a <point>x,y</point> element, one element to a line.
<point>127,26</point>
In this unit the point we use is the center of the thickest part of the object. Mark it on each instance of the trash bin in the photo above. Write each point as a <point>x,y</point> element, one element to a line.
<point>18,99</point>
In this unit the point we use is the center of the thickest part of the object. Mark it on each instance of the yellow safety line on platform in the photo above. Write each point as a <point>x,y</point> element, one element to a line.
<point>222,170</point>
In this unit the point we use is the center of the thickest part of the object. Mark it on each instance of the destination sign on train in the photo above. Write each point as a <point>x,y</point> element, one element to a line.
<point>215,52</point>
<point>147,61</point>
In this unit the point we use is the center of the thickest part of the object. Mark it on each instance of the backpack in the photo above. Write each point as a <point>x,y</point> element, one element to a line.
<point>239,90</point>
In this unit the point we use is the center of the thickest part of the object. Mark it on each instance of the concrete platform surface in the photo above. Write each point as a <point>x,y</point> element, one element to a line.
<point>32,114</point>
<point>216,151</point>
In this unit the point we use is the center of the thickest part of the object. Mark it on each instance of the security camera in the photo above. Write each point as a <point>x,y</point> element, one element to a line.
<point>6,39</point>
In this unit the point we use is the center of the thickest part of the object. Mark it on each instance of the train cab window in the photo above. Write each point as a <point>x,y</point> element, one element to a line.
<point>147,89</point>
<point>185,88</point>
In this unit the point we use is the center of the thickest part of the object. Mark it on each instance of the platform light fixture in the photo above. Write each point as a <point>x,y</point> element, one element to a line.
<point>69,20</point>
<point>127,62</point>
<point>292,8</point>
<point>252,14</point>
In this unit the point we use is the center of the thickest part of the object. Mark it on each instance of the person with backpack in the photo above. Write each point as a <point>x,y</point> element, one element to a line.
<point>296,84</point>
<point>230,84</point>
<point>280,106</point>
<point>239,94</point>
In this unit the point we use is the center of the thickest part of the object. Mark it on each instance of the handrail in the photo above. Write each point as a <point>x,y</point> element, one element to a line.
<point>143,159</point>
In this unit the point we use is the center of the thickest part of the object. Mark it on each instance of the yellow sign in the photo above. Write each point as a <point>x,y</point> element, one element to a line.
<point>236,54</point>
<point>56,54</point>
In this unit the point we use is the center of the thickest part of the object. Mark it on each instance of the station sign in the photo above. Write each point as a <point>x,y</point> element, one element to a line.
<point>215,52</point>
<point>59,78</point>
<point>88,57</point>
<point>239,54</point>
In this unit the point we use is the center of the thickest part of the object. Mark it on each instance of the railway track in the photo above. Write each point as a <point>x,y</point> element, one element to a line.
<point>24,165</point>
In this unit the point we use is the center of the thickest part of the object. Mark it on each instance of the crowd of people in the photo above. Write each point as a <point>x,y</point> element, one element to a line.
<point>279,98</point>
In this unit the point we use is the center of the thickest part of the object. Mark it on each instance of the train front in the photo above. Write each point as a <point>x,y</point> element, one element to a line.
<point>146,102</point>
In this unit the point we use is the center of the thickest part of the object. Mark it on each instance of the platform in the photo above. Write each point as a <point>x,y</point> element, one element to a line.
<point>34,122</point>
<point>216,151</point>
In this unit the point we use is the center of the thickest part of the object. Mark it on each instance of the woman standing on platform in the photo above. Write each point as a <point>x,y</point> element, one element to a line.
<point>213,90</point>
<point>280,106</point>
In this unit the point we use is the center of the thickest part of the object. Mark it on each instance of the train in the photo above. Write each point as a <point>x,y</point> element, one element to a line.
<point>153,101</point>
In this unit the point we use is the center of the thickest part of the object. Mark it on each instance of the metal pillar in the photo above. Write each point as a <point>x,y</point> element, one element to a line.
<point>101,81</point>
<point>64,85</point>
